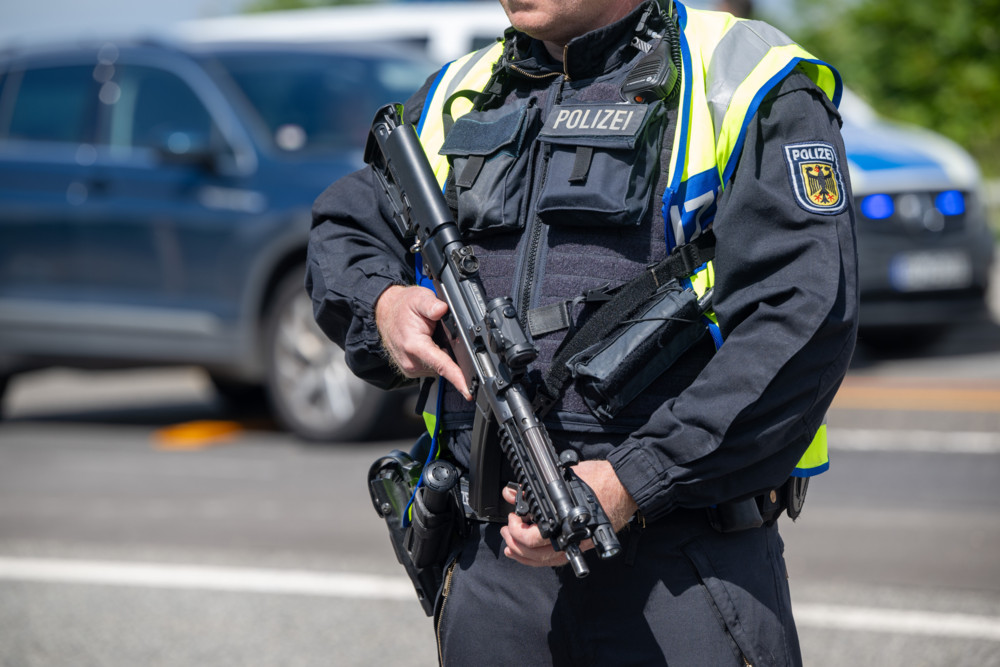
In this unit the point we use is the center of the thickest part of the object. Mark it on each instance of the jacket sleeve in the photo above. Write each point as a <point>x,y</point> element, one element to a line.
<point>787,302</point>
<point>354,254</point>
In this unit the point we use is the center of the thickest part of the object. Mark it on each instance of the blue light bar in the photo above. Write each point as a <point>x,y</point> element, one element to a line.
<point>950,202</point>
<point>877,207</point>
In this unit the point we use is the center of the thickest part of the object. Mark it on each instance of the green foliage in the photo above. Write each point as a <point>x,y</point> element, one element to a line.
<point>278,5</point>
<point>928,62</point>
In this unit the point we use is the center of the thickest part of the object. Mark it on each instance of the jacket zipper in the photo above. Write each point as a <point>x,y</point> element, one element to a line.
<point>525,281</point>
<point>537,77</point>
<point>445,590</point>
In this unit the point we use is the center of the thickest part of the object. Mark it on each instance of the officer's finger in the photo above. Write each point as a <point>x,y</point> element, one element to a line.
<point>438,361</point>
<point>427,306</point>
<point>536,556</point>
<point>406,318</point>
<point>517,527</point>
<point>525,536</point>
<point>509,494</point>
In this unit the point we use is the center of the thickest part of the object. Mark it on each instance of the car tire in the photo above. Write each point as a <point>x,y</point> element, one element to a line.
<point>312,391</point>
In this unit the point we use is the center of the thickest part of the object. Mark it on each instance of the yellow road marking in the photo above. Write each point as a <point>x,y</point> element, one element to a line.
<point>196,435</point>
<point>918,394</point>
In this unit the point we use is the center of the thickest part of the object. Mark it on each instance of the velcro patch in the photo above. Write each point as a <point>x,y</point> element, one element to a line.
<point>594,119</point>
<point>815,175</point>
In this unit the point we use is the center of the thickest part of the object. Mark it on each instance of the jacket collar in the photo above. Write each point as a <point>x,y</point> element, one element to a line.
<point>589,55</point>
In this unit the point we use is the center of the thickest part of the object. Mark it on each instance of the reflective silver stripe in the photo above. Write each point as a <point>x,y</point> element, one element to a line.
<point>466,68</point>
<point>739,51</point>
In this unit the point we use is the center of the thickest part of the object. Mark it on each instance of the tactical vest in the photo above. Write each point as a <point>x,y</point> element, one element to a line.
<point>728,67</point>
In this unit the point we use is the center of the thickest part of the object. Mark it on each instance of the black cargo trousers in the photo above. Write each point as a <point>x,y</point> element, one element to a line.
<point>679,594</point>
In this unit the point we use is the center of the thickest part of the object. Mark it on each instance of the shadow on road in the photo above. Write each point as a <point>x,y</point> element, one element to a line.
<point>181,401</point>
<point>158,398</point>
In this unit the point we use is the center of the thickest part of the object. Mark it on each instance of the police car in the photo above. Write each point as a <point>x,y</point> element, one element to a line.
<point>924,246</point>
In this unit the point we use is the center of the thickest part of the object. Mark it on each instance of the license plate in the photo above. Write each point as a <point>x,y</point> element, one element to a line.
<point>930,270</point>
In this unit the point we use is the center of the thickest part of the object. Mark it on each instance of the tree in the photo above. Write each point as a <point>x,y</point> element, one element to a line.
<point>929,62</point>
<point>278,5</point>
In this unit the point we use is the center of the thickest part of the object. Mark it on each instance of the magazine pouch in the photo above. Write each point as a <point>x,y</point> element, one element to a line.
<point>489,165</point>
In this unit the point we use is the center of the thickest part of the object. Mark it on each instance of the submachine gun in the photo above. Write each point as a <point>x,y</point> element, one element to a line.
<point>494,353</point>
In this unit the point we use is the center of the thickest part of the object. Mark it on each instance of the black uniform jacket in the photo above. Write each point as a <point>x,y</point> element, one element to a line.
<point>785,296</point>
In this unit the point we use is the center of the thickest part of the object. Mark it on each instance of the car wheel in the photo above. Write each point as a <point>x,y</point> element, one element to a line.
<point>312,391</point>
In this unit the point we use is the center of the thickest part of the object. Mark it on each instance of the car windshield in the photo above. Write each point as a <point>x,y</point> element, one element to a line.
<point>321,101</point>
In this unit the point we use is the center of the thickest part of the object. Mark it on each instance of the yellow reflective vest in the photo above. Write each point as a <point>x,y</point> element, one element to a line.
<point>728,67</point>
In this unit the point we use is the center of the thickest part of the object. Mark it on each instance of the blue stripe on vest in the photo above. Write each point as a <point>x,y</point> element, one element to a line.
<point>430,95</point>
<point>672,192</point>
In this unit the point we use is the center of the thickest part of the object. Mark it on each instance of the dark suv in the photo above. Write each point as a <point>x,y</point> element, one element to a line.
<point>154,209</point>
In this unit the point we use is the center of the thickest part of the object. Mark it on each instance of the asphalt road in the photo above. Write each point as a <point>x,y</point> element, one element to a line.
<point>141,523</point>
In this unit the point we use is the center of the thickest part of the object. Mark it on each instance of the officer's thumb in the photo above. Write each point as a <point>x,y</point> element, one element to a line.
<point>431,307</point>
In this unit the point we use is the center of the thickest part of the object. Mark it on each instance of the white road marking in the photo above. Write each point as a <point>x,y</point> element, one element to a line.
<point>898,621</point>
<point>373,587</point>
<point>162,575</point>
<point>897,440</point>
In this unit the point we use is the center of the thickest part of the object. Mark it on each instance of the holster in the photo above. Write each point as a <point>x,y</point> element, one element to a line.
<point>423,533</point>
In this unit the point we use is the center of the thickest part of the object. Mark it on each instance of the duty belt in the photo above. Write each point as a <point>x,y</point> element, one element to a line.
<point>728,517</point>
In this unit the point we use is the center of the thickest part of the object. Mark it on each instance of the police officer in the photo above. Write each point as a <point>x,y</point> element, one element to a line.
<point>570,172</point>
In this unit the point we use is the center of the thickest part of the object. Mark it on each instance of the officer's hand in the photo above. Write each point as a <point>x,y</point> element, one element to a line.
<point>525,543</point>
<point>615,500</point>
<point>406,318</point>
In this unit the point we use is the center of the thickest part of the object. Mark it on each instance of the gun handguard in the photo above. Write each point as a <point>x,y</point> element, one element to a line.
<point>494,353</point>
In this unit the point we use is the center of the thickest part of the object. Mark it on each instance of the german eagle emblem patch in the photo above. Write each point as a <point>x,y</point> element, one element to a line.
<point>815,175</point>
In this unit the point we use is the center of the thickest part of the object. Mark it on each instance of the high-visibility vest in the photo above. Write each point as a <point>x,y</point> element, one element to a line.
<point>728,67</point>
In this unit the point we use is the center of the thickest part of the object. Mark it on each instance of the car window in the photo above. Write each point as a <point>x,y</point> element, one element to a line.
<point>310,101</point>
<point>54,104</point>
<point>154,108</point>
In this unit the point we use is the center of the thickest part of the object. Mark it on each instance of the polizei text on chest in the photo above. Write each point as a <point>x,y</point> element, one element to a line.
<point>616,119</point>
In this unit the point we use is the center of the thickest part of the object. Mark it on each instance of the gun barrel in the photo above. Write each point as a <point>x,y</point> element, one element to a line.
<point>430,219</point>
<point>576,561</point>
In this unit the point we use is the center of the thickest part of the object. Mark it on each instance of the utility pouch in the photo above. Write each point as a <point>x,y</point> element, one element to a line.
<point>489,158</point>
<point>734,516</point>
<point>612,372</point>
<point>601,164</point>
<point>421,534</point>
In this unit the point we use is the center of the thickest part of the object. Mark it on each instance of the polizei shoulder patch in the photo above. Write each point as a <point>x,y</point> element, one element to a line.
<point>815,175</point>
